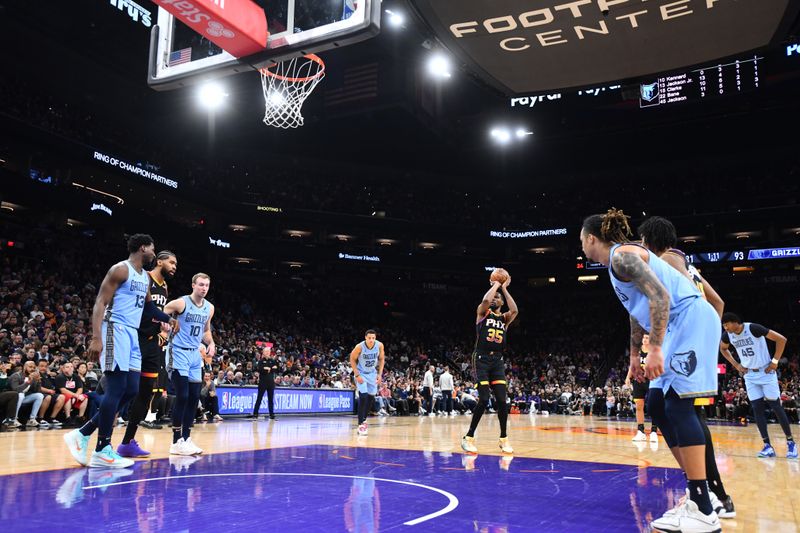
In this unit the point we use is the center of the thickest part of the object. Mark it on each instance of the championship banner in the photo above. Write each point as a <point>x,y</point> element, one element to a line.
<point>237,26</point>
<point>240,400</point>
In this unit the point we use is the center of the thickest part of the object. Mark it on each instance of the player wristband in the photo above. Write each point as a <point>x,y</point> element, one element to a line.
<point>775,361</point>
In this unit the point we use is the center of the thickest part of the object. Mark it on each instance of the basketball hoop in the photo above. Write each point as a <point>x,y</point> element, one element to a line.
<point>286,86</point>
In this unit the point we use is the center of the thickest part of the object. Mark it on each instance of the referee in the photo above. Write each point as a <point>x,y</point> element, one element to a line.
<point>266,367</point>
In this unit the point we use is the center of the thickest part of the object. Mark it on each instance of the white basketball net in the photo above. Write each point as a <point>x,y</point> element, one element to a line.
<point>286,86</point>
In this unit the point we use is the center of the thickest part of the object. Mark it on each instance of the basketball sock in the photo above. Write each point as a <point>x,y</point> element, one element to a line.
<point>483,401</point>
<point>176,434</point>
<point>698,493</point>
<point>89,427</point>
<point>502,407</point>
<point>653,428</point>
<point>783,420</point>
<point>712,472</point>
<point>759,410</point>
<point>640,427</point>
<point>186,431</point>
<point>362,408</point>
<point>102,442</point>
<point>190,409</point>
<point>139,407</point>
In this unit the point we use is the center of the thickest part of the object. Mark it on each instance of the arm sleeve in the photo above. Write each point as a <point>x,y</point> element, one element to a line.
<point>151,311</point>
<point>757,330</point>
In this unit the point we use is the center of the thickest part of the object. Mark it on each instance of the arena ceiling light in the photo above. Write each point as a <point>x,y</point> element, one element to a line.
<point>439,66</point>
<point>395,18</point>
<point>505,135</point>
<point>211,96</point>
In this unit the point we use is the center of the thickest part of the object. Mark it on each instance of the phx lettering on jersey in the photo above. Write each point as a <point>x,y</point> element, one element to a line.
<point>496,324</point>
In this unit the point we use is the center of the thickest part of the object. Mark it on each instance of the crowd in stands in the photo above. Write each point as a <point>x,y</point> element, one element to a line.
<point>563,359</point>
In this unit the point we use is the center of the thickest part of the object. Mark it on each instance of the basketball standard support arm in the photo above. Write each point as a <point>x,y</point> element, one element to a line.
<point>237,26</point>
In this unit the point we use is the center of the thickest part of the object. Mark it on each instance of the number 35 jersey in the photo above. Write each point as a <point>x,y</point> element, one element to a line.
<point>491,334</point>
<point>193,324</point>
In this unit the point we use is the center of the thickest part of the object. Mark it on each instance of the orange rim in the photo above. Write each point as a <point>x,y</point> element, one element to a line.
<point>311,57</point>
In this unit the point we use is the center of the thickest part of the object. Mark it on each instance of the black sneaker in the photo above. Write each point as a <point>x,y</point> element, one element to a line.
<point>728,511</point>
<point>272,417</point>
<point>150,425</point>
<point>55,423</point>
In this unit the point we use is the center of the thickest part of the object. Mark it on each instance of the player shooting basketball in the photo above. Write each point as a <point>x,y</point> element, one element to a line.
<point>487,359</point>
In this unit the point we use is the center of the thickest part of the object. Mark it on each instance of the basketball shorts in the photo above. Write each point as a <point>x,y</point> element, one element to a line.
<point>370,385</point>
<point>640,389</point>
<point>120,348</point>
<point>188,363</point>
<point>690,352</point>
<point>152,356</point>
<point>489,369</point>
<point>759,384</point>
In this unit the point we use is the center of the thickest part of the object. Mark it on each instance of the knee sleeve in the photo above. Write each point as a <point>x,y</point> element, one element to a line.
<point>683,418</point>
<point>655,406</point>
<point>483,395</point>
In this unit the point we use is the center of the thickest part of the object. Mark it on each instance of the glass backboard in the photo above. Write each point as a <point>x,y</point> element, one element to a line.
<point>179,56</point>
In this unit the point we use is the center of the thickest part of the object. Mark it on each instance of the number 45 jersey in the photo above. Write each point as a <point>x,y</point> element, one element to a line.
<point>491,334</point>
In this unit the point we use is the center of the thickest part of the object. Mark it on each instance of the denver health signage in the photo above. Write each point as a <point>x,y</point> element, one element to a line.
<point>134,169</point>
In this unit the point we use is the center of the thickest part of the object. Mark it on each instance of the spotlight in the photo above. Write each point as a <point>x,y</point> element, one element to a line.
<point>211,96</point>
<point>276,98</point>
<point>522,133</point>
<point>396,20</point>
<point>501,135</point>
<point>439,66</point>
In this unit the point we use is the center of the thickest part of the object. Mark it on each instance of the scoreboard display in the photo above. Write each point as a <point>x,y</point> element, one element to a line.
<point>696,85</point>
<point>749,255</point>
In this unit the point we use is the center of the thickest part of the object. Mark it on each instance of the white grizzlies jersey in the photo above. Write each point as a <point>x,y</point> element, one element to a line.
<point>751,345</point>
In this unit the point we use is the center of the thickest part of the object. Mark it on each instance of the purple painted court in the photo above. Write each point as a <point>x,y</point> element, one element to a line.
<point>328,488</point>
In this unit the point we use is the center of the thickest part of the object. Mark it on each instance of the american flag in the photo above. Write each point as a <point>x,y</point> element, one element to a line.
<point>180,56</point>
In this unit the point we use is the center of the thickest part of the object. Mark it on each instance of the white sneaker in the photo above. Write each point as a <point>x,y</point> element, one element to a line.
<point>505,447</point>
<point>639,437</point>
<point>189,443</point>
<point>44,424</point>
<point>468,444</point>
<point>120,421</point>
<point>180,448</point>
<point>469,412</point>
<point>431,414</point>
<point>32,423</point>
<point>217,418</point>
<point>654,436</point>
<point>77,444</point>
<point>688,519</point>
<point>452,413</point>
<point>362,429</point>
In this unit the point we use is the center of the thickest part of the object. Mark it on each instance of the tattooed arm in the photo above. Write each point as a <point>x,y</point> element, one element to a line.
<point>637,334</point>
<point>629,265</point>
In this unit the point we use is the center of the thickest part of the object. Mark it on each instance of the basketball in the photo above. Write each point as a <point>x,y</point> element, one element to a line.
<point>498,274</point>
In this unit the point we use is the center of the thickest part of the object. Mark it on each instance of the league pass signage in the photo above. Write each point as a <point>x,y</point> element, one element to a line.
<point>134,169</point>
<point>241,400</point>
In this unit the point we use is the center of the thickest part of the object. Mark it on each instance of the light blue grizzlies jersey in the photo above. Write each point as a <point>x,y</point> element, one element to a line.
<point>193,324</point>
<point>682,292</point>
<point>751,345</point>
<point>128,302</point>
<point>368,360</point>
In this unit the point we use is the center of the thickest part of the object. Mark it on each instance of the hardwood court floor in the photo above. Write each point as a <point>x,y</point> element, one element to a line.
<point>596,451</point>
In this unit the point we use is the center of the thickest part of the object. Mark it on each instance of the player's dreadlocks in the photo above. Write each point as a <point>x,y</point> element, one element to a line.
<point>611,227</point>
